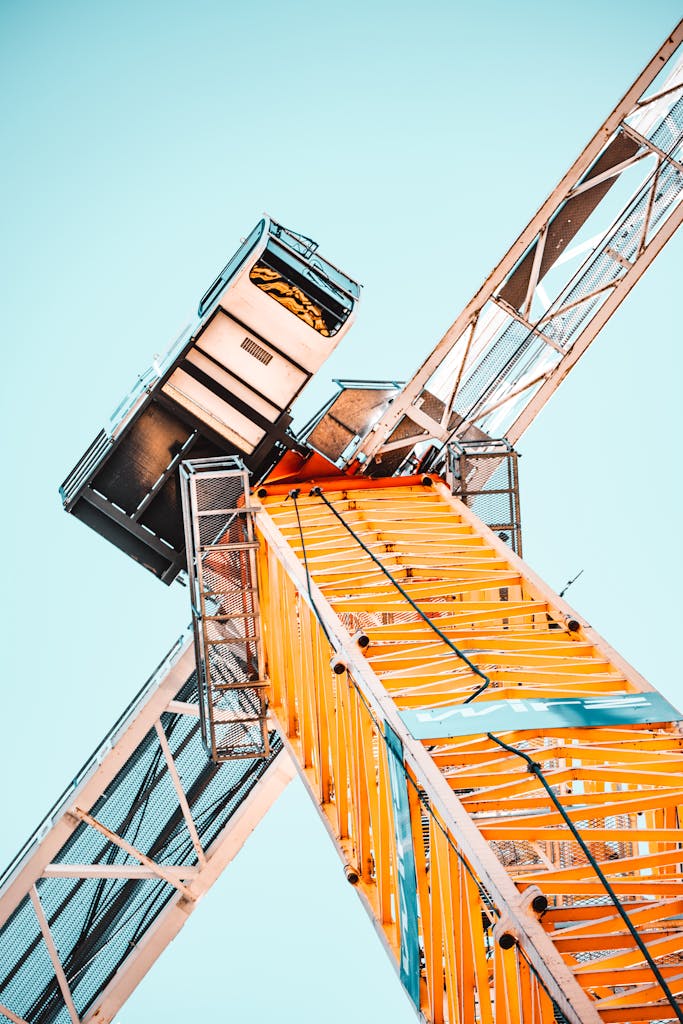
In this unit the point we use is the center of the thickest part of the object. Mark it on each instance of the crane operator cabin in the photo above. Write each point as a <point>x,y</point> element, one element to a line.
<point>267,323</point>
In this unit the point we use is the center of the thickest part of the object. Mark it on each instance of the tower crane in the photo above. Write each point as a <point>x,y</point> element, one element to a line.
<point>502,787</point>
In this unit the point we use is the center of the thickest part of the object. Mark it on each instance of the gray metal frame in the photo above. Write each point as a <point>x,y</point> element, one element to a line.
<point>221,565</point>
<point>485,475</point>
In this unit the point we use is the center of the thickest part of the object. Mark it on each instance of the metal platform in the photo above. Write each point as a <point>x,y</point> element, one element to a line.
<point>485,475</point>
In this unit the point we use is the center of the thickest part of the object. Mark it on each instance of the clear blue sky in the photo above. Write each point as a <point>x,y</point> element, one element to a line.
<point>413,142</point>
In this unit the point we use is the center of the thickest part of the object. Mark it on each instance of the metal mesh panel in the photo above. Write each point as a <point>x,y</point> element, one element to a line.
<point>515,853</point>
<point>112,913</point>
<point>220,492</point>
<point>26,976</point>
<point>222,572</point>
<point>96,923</point>
<point>515,350</point>
<point>484,475</point>
<point>511,344</point>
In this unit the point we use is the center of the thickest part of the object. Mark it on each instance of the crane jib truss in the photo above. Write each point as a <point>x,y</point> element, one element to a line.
<point>556,287</point>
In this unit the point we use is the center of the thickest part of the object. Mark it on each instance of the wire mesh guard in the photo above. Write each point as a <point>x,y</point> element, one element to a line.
<point>221,560</point>
<point>98,923</point>
<point>484,476</point>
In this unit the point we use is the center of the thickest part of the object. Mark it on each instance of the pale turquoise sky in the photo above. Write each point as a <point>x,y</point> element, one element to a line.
<point>413,141</point>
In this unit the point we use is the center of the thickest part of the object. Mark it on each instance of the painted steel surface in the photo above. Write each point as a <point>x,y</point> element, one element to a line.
<point>515,923</point>
<point>535,715</point>
<point>114,872</point>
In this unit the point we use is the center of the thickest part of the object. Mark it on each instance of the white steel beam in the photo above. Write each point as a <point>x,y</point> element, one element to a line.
<point>182,799</point>
<point>556,376</point>
<point>157,869</point>
<point>103,767</point>
<point>130,871</point>
<point>54,955</point>
<point>39,859</point>
<point>624,144</point>
<point>167,925</point>
<point>11,1015</point>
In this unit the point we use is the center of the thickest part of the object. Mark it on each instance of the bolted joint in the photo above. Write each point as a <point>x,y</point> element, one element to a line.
<point>315,492</point>
<point>352,876</point>
<point>362,639</point>
<point>573,625</point>
<point>294,493</point>
<point>262,493</point>
<point>338,665</point>
<point>535,900</point>
<point>539,904</point>
<point>505,933</point>
<point>427,481</point>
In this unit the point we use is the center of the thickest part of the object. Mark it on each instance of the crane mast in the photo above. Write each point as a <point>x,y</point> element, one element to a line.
<point>502,788</point>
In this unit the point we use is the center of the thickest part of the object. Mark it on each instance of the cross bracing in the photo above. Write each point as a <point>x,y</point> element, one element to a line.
<point>113,872</point>
<point>556,888</point>
<point>555,288</point>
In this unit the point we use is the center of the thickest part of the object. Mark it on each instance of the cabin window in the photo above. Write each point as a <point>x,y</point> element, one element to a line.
<point>301,289</point>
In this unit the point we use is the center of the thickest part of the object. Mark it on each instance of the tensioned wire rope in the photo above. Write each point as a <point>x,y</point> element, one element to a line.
<point>535,769</point>
<point>317,492</point>
<point>294,494</point>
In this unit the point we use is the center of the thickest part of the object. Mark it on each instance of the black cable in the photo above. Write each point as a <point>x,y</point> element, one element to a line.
<point>294,494</point>
<point>535,769</point>
<point>317,492</point>
<point>423,797</point>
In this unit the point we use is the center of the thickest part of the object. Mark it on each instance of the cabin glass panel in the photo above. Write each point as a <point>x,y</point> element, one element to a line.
<point>301,289</point>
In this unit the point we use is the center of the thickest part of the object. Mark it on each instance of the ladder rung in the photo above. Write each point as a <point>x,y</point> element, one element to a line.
<point>245,545</point>
<point>233,640</point>
<point>225,511</point>
<point>220,593</point>
<point>244,684</point>
<point>228,617</point>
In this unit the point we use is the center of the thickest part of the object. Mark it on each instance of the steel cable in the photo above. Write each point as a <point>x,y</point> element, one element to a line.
<point>535,769</point>
<point>318,493</point>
